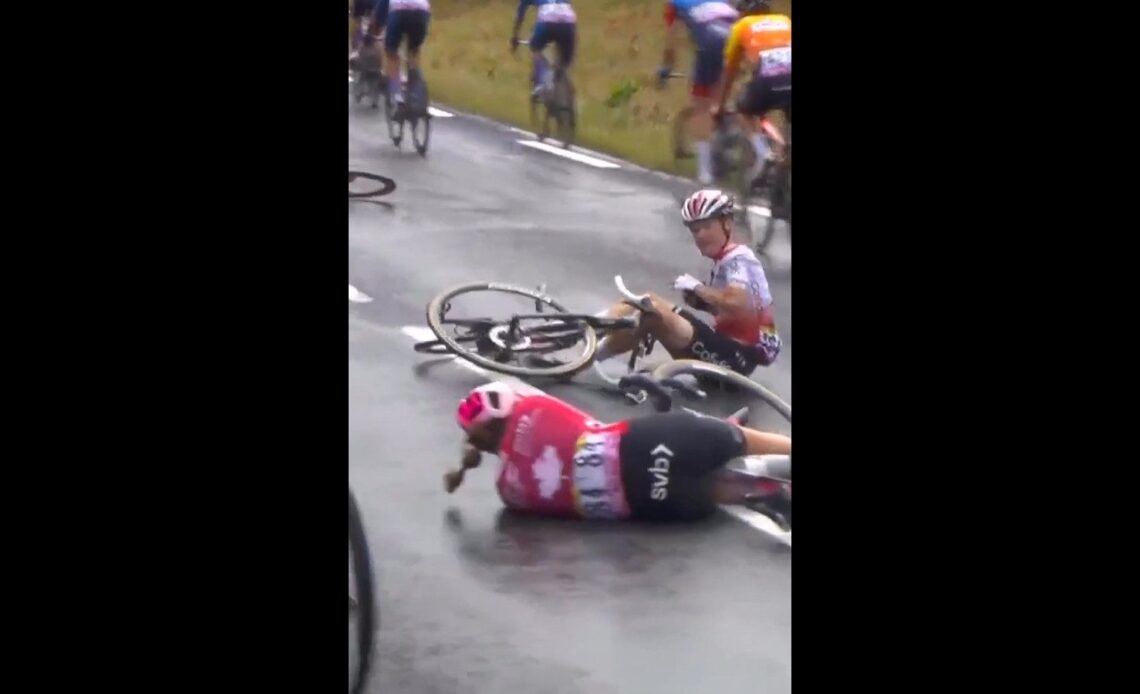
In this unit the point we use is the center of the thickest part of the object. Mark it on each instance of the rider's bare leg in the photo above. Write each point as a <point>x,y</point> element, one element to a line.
<point>392,68</point>
<point>670,329</point>
<point>765,443</point>
<point>700,131</point>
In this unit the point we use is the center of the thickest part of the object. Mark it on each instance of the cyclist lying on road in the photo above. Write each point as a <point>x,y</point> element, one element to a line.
<point>745,334</point>
<point>559,461</point>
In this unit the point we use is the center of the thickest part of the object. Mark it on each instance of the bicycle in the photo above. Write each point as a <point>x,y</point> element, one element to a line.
<point>387,185</point>
<point>765,481</point>
<point>493,344</point>
<point>558,103</point>
<point>772,187</point>
<point>361,600</point>
<point>414,110</point>
<point>367,71</point>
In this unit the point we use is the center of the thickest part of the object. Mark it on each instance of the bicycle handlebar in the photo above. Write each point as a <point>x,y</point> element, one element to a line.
<point>641,302</point>
<point>646,386</point>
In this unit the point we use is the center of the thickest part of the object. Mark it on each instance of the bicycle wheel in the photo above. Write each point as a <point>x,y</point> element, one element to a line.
<point>385,185</point>
<point>493,344</point>
<point>711,372</point>
<point>564,113</point>
<point>395,120</point>
<point>421,123</point>
<point>362,605</point>
<point>682,147</point>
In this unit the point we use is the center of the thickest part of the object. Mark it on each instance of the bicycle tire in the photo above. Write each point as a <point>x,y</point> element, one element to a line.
<point>682,148</point>
<point>435,322</point>
<point>366,596</point>
<point>387,185</point>
<point>395,125</point>
<point>565,118</point>
<point>697,367</point>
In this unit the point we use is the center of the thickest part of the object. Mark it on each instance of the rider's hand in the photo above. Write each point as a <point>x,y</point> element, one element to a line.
<point>687,283</point>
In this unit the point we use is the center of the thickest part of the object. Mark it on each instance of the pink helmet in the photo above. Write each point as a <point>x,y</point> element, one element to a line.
<point>493,400</point>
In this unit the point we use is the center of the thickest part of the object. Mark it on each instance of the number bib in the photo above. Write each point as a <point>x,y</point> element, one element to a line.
<point>776,61</point>
<point>597,493</point>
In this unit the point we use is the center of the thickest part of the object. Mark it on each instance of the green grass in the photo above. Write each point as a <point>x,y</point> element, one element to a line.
<point>468,65</point>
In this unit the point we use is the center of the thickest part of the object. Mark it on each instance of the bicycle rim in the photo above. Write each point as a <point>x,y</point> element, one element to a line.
<point>421,134</point>
<point>382,185</point>
<point>565,113</point>
<point>436,321</point>
<point>365,603</point>
<point>395,125</point>
<point>700,368</point>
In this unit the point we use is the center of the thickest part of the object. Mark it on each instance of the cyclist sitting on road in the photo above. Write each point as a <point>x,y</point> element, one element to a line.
<point>555,22</point>
<point>766,40</point>
<point>559,461</point>
<point>737,294</point>
<point>400,18</point>
<point>709,22</point>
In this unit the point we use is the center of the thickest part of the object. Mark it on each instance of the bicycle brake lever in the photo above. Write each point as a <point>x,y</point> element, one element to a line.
<point>691,392</point>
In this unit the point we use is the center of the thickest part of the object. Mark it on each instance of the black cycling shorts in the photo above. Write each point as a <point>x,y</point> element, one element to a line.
<point>709,345</point>
<point>668,463</point>
<point>765,94</point>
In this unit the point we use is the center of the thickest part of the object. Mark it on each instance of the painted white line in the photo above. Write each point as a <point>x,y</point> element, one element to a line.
<point>438,113</point>
<point>357,296</point>
<point>752,518</point>
<point>569,154</point>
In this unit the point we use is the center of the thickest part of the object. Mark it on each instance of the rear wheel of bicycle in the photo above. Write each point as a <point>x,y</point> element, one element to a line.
<point>564,112</point>
<point>367,185</point>
<point>706,372</point>
<point>361,601</point>
<point>494,342</point>
<point>394,119</point>
<point>682,146</point>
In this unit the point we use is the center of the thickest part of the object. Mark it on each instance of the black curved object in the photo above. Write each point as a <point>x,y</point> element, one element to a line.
<point>365,604</point>
<point>385,184</point>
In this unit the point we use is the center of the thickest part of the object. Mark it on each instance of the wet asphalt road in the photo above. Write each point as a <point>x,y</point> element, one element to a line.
<point>476,600</point>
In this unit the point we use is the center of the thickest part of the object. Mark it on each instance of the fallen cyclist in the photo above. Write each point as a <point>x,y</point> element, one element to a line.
<point>559,461</point>
<point>744,334</point>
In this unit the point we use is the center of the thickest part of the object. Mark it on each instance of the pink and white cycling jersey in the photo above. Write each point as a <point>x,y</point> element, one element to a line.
<point>421,5</point>
<point>740,267</point>
<point>557,460</point>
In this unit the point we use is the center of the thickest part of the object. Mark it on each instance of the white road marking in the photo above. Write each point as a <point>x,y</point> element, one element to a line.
<point>438,113</point>
<point>357,296</point>
<point>569,154</point>
<point>752,518</point>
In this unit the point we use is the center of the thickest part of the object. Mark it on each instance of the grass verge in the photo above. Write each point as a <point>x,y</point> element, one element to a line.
<point>468,65</point>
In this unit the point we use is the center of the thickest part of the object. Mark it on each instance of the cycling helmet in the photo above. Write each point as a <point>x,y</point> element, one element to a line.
<point>709,203</point>
<point>493,400</point>
<point>747,7</point>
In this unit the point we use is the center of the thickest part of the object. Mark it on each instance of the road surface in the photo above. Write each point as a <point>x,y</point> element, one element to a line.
<point>474,600</point>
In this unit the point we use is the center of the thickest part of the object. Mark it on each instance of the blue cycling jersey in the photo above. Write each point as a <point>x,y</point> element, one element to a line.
<point>548,11</point>
<point>701,15</point>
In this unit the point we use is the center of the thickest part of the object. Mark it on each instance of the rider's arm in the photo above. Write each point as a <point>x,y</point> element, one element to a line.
<point>732,298</point>
<point>380,14</point>
<point>471,459</point>
<point>519,16</point>
<point>670,35</point>
<point>732,50</point>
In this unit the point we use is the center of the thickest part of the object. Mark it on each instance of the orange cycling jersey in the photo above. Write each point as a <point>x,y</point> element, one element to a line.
<point>755,36</point>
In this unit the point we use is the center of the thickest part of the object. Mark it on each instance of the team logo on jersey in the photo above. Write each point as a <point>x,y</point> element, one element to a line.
<point>548,472</point>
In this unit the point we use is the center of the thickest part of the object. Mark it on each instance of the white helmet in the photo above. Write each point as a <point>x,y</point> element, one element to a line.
<point>493,400</point>
<point>709,203</point>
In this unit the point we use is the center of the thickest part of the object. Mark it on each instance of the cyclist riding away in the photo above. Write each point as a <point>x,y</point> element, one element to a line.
<point>401,18</point>
<point>709,22</point>
<point>744,335</point>
<point>766,40</point>
<point>557,460</point>
<point>555,22</point>
<point>360,10</point>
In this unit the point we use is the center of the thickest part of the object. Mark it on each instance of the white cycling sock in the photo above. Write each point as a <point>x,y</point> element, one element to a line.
<point>704,162</point>
<point>760,144</point>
